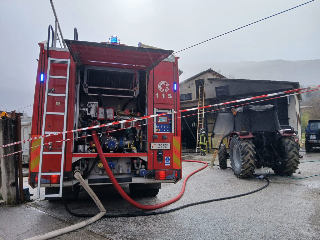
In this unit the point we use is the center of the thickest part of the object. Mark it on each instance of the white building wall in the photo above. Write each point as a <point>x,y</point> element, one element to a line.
<point>294,114</point>
<point>25,134</point>
<point>190,86</point>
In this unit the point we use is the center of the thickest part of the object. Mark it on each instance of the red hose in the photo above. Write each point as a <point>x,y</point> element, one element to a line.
<point>125,196</point>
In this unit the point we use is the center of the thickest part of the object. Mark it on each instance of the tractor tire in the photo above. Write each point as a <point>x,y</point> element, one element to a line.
<point>308,147</point>
<point>290,160</point>
<point>242,156</point>
<point>223,156</point>
<point>144,190</point>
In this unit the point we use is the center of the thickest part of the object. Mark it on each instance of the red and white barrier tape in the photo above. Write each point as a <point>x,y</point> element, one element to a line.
<point>161,114</point>
<point>268,99</point>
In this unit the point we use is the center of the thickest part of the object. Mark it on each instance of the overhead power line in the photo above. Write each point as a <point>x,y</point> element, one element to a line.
<point>236,29</point>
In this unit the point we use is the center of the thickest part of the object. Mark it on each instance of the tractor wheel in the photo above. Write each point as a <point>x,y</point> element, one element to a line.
<point>290,158</point>
<point>223,156</point>
<point>308,147</point>
<point>242,156</point>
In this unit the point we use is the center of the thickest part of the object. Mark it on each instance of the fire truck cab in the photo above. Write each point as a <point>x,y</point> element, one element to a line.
<point>88,84</point>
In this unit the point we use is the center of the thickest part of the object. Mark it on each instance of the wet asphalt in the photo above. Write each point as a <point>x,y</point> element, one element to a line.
<point>286,209</point>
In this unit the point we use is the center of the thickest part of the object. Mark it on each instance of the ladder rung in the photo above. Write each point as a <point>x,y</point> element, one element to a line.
<point>58,77</point>
<point>57,60</point>
<point>50,173</point>
<point>55,113</point>
<point>52,153</point>
<point>57,94</point>
<point>51,195</point>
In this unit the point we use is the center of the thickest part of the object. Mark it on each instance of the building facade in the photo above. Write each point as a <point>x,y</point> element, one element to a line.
<point>219,89</point>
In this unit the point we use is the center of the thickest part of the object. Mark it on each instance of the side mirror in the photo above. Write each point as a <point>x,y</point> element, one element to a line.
<point>305,130</point>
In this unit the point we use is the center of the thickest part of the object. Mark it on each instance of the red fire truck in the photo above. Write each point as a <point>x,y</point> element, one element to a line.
<point>88,84</point>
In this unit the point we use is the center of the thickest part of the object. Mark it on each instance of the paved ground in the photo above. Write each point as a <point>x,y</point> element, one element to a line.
<point>287,209</point>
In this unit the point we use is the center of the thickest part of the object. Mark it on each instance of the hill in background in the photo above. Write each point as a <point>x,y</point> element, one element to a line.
<point>307,72</point>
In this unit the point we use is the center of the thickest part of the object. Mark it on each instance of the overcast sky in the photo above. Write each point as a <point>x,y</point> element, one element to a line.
<point>166,24</point>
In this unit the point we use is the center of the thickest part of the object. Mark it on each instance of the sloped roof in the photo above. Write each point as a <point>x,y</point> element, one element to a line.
<point>203,72</point>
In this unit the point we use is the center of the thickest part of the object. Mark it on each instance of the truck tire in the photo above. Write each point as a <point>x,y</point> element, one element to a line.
<point>144,190</point>
<point>290,157</point>
<point>308,147</point>
<point>242,156</point>
<point>223,156</point>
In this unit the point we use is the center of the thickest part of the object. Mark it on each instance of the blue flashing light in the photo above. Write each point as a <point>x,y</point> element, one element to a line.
<point>41,77</point>
<point>175,86</point>
<point>114,40</point>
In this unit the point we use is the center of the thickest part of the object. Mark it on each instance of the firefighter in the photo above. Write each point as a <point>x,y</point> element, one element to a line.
<point>203,142</point>
<point>3,115</point>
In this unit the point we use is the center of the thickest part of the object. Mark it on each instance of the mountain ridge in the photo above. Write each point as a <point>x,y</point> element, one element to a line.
<point>306,72</point>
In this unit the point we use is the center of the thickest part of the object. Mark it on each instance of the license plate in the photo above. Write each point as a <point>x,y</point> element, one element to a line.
<point>312,136</point>
<point>156,146</point>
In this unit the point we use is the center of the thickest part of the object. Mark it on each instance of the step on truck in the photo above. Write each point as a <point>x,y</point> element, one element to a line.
<point>87,84</point>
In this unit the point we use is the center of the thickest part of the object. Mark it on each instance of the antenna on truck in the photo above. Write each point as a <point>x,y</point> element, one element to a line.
<point>57,25</point>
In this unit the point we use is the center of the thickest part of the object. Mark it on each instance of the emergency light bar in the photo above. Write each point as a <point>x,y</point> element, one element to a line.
<point>114,40</point>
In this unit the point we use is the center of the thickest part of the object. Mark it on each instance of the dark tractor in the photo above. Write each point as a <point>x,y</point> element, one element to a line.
<point>255,140</point>
<point>312,135</point>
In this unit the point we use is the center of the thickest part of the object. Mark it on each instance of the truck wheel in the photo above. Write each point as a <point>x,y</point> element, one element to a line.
<point>223,156</point>
<point>290,158</point>
<point>308,147</point>
<point>69,193</point>
<point>242,156</point>
<point>144,190</point>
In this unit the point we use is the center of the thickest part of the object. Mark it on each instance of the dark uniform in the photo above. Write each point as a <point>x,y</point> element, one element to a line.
<point>203,143</point>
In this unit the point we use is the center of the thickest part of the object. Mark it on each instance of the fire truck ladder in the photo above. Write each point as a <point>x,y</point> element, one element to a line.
<point>45,113</point>
<point>200,114</point>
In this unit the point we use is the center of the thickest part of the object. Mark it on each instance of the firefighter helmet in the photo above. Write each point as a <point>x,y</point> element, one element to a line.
<point>3,115</point>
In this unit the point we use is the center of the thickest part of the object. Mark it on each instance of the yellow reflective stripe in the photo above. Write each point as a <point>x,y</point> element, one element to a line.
<point>176,143</point>
<point>35,154</point>
<point>34,143</point>
<point>35,163</point>
<point>176,152</point>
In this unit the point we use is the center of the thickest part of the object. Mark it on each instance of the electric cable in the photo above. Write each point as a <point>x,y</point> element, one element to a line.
<point>310,161</point>
<point>23,107</point>
<point>236,29</point>
<point>303,177</point>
